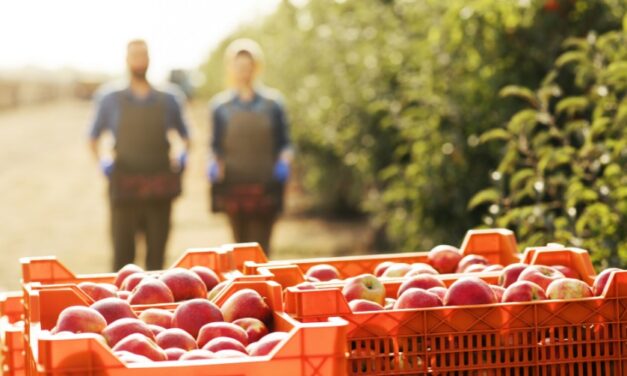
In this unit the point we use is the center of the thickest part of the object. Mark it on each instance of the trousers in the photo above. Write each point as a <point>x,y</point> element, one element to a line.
<point>253,227</point>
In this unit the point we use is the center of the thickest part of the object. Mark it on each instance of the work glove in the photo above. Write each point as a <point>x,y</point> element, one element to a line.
<point>182,160</point>
<point>281,171</point>
<point>213,172</point>
<point>106,166</point>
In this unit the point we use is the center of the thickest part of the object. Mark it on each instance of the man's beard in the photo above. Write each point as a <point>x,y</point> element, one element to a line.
<point>139,74</point>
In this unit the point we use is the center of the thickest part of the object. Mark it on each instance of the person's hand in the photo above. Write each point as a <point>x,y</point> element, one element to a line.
<point>281,171</point>
<point>106,166</point>
<point>182,161</point>
<point>214,173</point>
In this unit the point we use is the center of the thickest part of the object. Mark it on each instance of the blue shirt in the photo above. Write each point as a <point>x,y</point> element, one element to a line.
<point>223,104</point>
<point>108,111</point>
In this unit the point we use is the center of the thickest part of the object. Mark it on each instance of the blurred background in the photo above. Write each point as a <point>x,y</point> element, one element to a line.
<point>413,121</point>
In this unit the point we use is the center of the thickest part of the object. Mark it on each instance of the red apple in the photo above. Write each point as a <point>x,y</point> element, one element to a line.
<point>567,271</point>
<point>133,280</point>
<point>155,329</point>
<point>475,268</point>
<point>175,337</point>
<point>157,316</point>
<point>125,272</point>
<point>208,276</point>
<point>221,329</point>
<point>363,305</point>
<point>305,286</point>
<point>382,267</point>
<point>309,278</point>
<point>225,354</point>
<point>421,281</point>
<point>79,319</point>
<point>439,291</point>
<point>540,274</point>
<point>184,284</point>
<point>174,353</point>
<point>469,291</point>
<point>141,345</point>
<point>113,309</point>
<point>493,268</point>
<point>224,343</point>
<point>254,328</point>
<point>397,269</point>
<point>122,328</point>
<point>323,272</point>
<point>568,288</point>
<point>129,357</point>
<point>193,314</point>
<point>124,295</point>
<point>216,290</point>
<point>523,291</point>
<point>421,268</point>
<point>510,274</point>
<point>417,298</point>
<point>197,354</point>
<point>246,303</point>
<point>468,260</point>
<point>498,292</point>
<point>365,286</point>
<point>96,291</point>
<point>444,258</point>
<point>266,344</point>
<point>601,280</point>
<point>151,291</point>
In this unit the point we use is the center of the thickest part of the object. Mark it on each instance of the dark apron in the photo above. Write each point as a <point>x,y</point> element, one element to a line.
<point>249,159</point>
<point>142,170</point>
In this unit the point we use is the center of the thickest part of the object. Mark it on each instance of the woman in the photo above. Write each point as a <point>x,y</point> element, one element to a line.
<point>251,148</point>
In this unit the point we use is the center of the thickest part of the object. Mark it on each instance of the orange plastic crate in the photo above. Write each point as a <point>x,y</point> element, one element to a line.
<point>313,349</point>
<point>566,337</point>
<point>11,334</point>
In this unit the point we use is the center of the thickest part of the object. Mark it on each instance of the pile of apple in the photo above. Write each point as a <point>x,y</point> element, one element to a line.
<point>196,329</point>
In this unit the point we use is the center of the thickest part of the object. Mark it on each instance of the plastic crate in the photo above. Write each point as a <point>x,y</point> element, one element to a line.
<point>11,334</point>
<point>497,245</point>
<point>566,337</point>
<point>312,349</point>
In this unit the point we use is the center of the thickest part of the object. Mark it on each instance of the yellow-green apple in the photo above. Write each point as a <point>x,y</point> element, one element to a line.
<point>601,280</point>
<point>444,258</point>
<point>439,291</point>
<point>568,288</point>
<point>113,309</point>
<point>364,286</point>
<point>217,288</point>
<point>197,354</point>
<point>468,260</point>
<point>254,328</point>
<point>510,274</point>
<point>540,274</point>
<point>469,291</point>
<point>129,357</point>
<point>224,343</point>
<point>498,292</point>
<point>246,303</point>
<point>228,353</point>
<point>80,319</point>
<point>126,270</point>
<point>175,337</point>
<point>381,267</point>
<point>363,305</point>
<point>523,291</point>
<point>417,298</point>
<point>221,329</point>
<point>122,328</point>
<point>193,314</point>
<point>493,268</point>
<point>398,269</point>
<point>96,291</point>
<point>174,353</point>
<point>421,281</point>
<point>133,280</point>
<point>567,271</point>
<point>420,268</point>
<point>141,345</point>
<point>208,276</point>
<point>151,291</point>
<point>323,272</point>
<point>266,344</point>
<point>184,284</point>
<point>157,316</point>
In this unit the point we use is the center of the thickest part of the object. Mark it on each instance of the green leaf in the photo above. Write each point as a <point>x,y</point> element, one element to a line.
<point>570,57</point>
<point>495,134</point>
<point>519,179</point>
<point>523,121</point>
<point>572,105</point>
<point>486,196</point>
<point>520,92</point>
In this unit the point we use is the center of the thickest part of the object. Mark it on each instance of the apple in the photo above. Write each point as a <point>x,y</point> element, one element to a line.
<point>397,269</point>
<point>224,343</point>
<point>309,278</point>
<point>422,281</point>
<point>417,298</point>
<point>474,268</point>
<point>439,291</point>
<point>139,344</point>
<point>151,291</point>
<point>96,291</point>
<point>365,286</point>
<point>113,309</point>
<point>124,295</point>
<point>444,258</point>
<point>523,291</point>
<point>323,272</point>
<point>421,268</point>
<point>193,314</point>
<point>130,358</point>
<point>208,276</point>
<point>126,270</point>
<point>266,344</point>
<point>175,337</point>
<point>157,316</point>
<point>246,303</point>
<point>305,286</point>
<point>254,328</point>
<point>382,267</point>
<point>228,353</point>
<point>221,329</point>
<point>184,284</point>
<point>363,305</point>
<point>79,319</point>
<point>498,292</point>
<point>540,274</point>
<point>216,290</point>
<point>601,280</point>
<point>468,260</point>
<point>174,353</point>
<point>510,274</point>
<point>122,328</point>
<point>133,280</point>
<point>469,291</point>
<point>493,268</point>
<point>568,288</point>
<point>567,271</point>
<point>155,329</point>
<point>197,354</point>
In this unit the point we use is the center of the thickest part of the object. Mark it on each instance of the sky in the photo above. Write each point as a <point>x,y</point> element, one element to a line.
<point>91,35</point>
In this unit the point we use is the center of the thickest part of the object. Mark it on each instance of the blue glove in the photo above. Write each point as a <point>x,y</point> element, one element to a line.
<point>182,160</point>
<point>213,171</point>
<point>106,166</point>
<point>281,171</point>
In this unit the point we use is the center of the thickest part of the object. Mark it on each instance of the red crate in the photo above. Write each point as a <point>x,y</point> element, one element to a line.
<point>11,334</point>
<point>566,337</point>
<point>313,349</point>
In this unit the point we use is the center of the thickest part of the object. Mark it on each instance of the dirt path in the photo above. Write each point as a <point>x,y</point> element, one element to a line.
<point>52,199</point>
